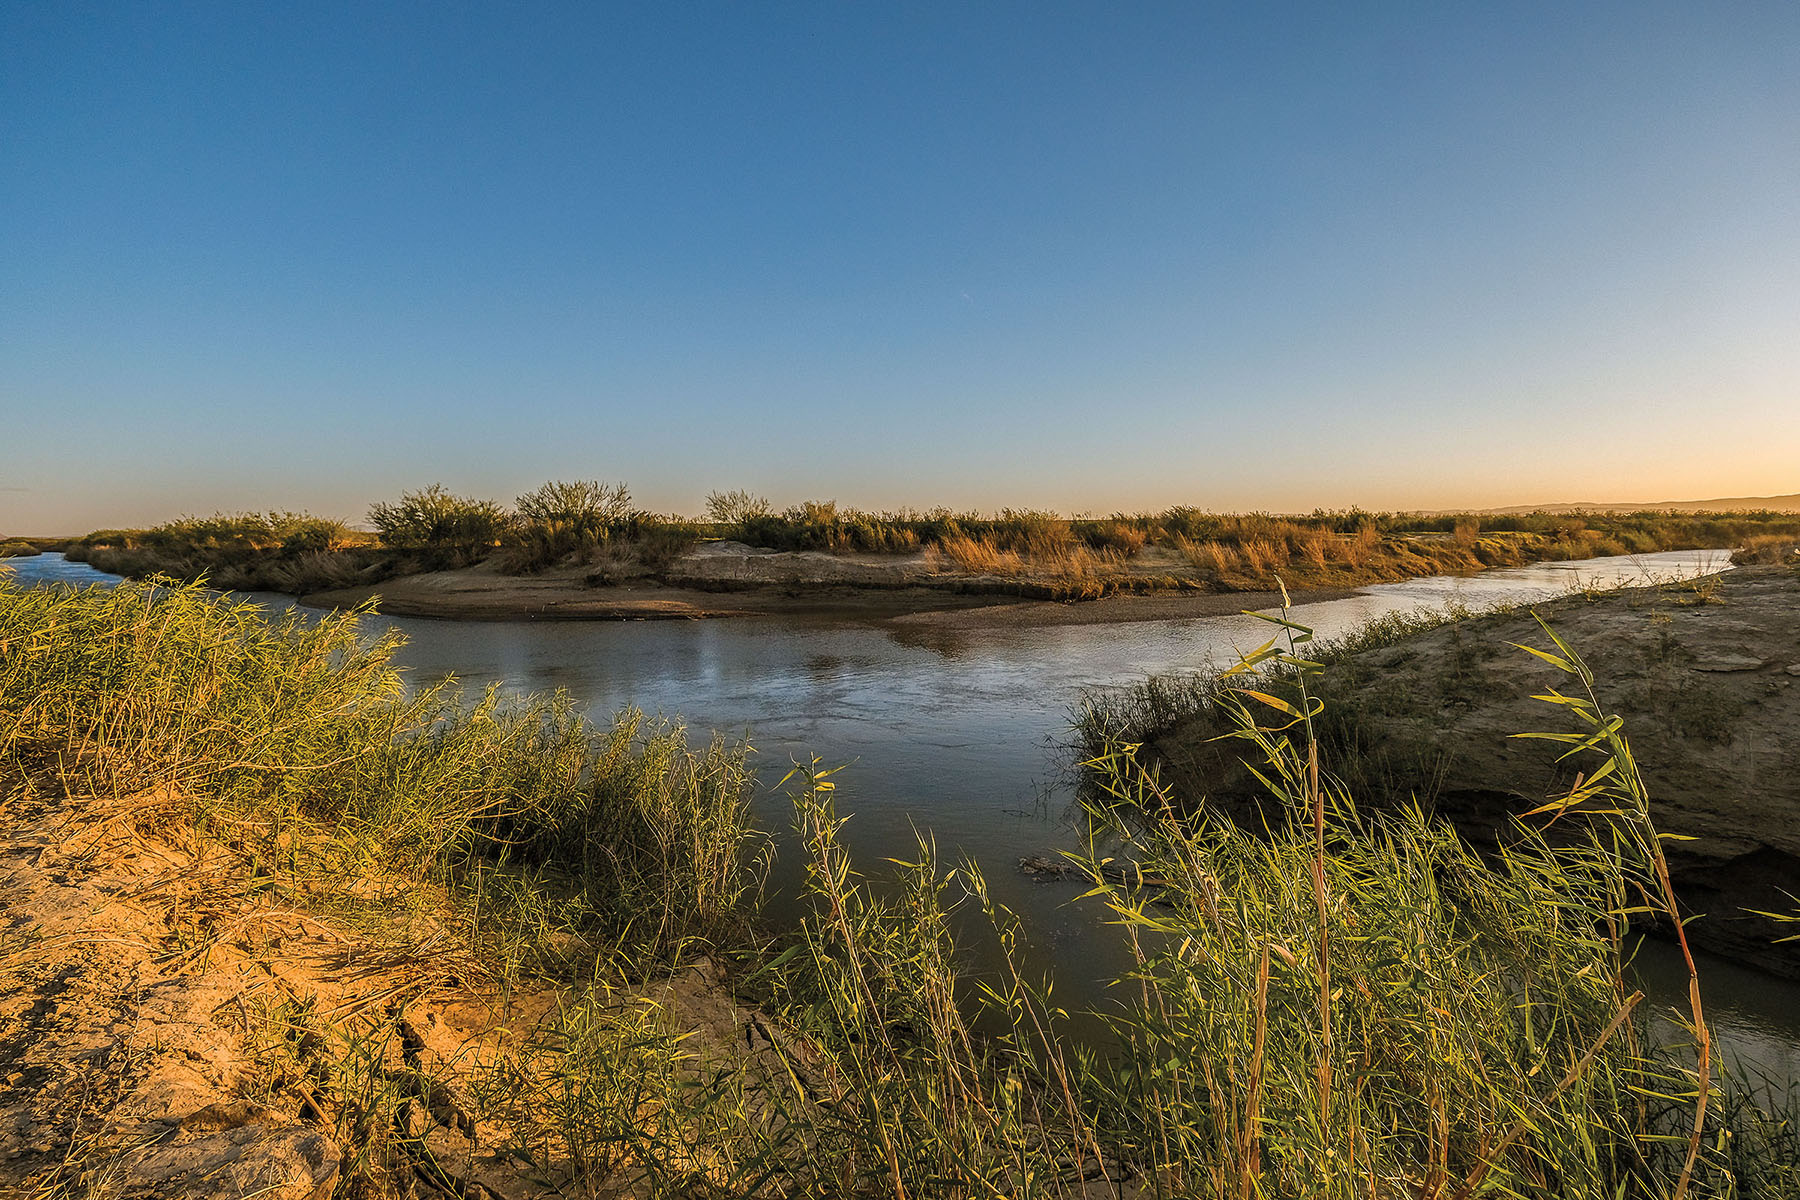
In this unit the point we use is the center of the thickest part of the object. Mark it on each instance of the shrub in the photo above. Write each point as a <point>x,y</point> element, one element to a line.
<point>585,506</point>
<point>443,529</point>
<point>660,541</point>
<point>301,533</point>
<point>562,519</point>
<point>736,508</point>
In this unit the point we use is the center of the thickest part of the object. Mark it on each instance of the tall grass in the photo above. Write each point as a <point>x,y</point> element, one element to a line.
<point>1361,1005</point>
<point>1381,1011</point>
<point>303,732</point>
<point>1341,1004</point>
<point>275,551</point>
<point>1073,560</point>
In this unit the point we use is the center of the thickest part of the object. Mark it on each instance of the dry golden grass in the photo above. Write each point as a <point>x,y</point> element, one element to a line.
<point>1219,559</point>
<point>1263,556</point>
<point>1048,557</point>
<point>1315,547</point>
<point>976,557</point>
<point>1123,537</point>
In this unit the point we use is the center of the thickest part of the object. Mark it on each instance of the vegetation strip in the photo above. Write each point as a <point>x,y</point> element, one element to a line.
<point>539,927</point>
<point>588,535</point>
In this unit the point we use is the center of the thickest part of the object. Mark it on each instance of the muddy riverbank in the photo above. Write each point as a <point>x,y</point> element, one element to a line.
<point>1704,673</point>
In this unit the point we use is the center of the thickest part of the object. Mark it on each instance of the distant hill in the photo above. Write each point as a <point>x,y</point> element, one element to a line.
<point>1736,504</point>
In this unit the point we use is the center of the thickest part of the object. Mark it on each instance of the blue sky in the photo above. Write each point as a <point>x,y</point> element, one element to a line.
<point>1083,257</point>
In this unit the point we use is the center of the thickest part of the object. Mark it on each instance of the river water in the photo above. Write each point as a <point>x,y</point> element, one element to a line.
<point>963,734</point>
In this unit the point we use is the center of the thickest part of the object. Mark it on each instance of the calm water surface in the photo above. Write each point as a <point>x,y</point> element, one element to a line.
<point>962,734</point>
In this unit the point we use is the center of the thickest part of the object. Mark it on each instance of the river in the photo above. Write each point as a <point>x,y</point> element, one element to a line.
<point>962,734</point>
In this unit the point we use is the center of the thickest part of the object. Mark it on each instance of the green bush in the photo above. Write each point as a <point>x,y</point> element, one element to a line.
<point>559,520</point>
<point>441,528</point>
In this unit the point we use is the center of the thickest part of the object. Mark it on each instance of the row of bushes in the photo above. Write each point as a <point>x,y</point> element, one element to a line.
<point>559,520</point>
<point>567,522</point>
<point>427,529</point>
<point>554,523</point>
<point>234,535</point>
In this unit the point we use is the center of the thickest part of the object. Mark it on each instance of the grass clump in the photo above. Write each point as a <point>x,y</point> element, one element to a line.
<point>303,730</point>
<point>1766,548</point>
<point>18,548</point>
<point>274,551</point>
<point>822,525</point>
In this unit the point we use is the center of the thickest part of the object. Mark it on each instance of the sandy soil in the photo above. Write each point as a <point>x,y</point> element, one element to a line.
<point>734,581</point>
<point>169,1014</point>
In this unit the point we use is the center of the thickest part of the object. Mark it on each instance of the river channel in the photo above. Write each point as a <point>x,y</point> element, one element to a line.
<point>963,734</point>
